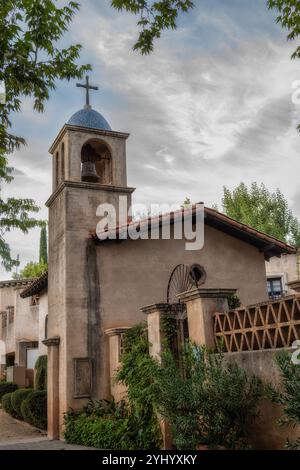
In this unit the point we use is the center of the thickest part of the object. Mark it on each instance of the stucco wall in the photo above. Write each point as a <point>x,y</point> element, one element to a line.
<point>26,319</point>
<point>136,273</point>
<point>285,267</point>
<point>57,293</point>
<point>7,298</point>
<point>25,324</point>
<point>266,433</point>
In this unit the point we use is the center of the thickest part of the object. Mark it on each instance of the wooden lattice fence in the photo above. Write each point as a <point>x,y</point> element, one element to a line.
<point>269,325</point>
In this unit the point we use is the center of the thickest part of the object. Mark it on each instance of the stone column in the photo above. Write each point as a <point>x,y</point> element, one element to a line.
<point>155,336</point>
<point>154,314</point>
<point>201,304</point>
<point>53,387</point>
<point>117,390</point>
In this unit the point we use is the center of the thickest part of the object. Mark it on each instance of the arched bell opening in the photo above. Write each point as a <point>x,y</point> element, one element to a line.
<point>96,162</point>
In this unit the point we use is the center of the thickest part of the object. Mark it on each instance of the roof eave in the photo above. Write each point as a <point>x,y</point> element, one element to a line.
<point>66,127</point>
<point>36,287</point>
<point>267,244</point>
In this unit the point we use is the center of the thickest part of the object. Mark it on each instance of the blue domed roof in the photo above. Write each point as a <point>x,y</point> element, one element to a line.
<point>88,117</point>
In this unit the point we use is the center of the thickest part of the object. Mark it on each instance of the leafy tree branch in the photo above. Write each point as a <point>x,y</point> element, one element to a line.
<point>154,17</point>
<point>31,62</point>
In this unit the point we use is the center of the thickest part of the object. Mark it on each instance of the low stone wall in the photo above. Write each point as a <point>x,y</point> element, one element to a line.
<point>266,433</point>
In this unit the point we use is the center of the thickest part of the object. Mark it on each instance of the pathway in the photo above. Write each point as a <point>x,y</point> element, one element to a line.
<point>17,435</point>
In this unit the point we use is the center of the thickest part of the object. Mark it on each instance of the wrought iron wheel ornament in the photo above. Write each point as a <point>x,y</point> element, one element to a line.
<point>184,278</point>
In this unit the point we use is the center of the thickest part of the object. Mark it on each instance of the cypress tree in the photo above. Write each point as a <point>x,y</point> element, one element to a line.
<point>43,246</point>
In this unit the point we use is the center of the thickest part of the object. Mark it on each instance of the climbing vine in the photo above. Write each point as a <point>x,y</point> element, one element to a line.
<point>169,329</point>
<point>138,372</point>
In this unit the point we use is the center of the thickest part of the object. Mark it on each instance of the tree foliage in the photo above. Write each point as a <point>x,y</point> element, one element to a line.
<point>263,210</point>
<point>154,17</point>
<point>31,271</point>
<point>289,18</point>
<point>206,400</point>
<point>14,214</point>
<point>41,367</point>
<point>30,60</point>
<point>30,64</point>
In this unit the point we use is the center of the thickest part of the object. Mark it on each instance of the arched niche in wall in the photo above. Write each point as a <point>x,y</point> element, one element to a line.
<point>62,162</point>
<point>57,169</point>
<point>96,162</point>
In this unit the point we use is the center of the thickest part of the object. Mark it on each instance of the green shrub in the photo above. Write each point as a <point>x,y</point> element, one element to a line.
<point>17,398</point>
<point>289,394</point>
<point>103,424</point>
<point>41,373</point>
<point>102,433</point>
<point>207,401</point>
<point>7,405</point>
<point>7,387</point>
<point>34,409</point>
<point>129,425</point>
<point>233,301</point>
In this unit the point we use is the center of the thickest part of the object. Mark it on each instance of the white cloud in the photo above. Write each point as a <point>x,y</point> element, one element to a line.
<point>201,115</point>
<point>205,107</point>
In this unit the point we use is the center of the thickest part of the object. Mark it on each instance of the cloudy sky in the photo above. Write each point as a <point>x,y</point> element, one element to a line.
<point>212,106</point>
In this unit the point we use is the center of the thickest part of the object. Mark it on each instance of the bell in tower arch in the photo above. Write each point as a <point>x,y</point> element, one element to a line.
<point>88,170</point>
<point>89,173</point>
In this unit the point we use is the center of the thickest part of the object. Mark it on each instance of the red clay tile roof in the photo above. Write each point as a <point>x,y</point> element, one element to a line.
<point>36,286</point>
<point>269,245</point>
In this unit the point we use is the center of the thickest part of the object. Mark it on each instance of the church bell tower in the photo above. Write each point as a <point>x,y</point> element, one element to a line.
<point>89,169</point>
<point>88,150</point>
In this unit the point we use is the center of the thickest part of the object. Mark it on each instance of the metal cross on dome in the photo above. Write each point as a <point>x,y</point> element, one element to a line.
<point>88,87</point>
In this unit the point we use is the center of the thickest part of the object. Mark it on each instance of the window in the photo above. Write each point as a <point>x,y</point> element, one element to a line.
<point>11,314</point>
<point>4,319</point>
<point>275,287</point>
<point>10,359</point>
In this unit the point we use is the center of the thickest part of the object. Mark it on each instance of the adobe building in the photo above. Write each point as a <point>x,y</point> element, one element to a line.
<point>97,288</point>
<point>23,313</point>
